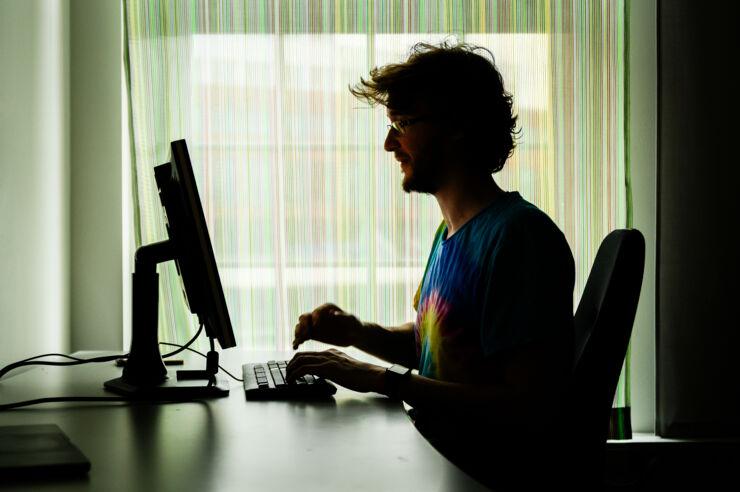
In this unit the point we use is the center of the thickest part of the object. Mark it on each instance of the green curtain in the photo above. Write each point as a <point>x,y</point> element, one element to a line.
<point>303,204</point>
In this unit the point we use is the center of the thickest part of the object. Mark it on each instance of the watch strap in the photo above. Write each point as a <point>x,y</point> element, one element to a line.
<point>395,375</point>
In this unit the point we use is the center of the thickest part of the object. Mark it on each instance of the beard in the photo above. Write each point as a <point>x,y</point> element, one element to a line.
<point>422,177</point>
<point>419,184</point>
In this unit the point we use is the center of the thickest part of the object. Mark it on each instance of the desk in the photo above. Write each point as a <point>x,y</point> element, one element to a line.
<point>357,442</point>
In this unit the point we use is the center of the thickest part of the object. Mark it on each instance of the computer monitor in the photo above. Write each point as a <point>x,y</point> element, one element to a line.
<point>189,245</point>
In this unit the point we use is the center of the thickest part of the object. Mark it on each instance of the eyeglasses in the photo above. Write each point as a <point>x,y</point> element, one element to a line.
<point>399,126</point>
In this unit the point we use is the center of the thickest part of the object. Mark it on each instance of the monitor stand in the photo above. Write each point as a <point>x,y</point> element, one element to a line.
<point>170,389</point>
<point>145,375</point>
<point>187,385</point>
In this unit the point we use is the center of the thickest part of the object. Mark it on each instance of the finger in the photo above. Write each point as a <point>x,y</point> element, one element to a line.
<point>325,359</point>
<point>328,309</point>
<point>300,335</point>
<point>302,330</point>
<point>325,314</point>
<point>306,357</point>
<point>333,309</point>
<point>297,372</point>
<point>327,306</point>
<point>306,363</point>
<point>297,338</point>
<point>316,316</point>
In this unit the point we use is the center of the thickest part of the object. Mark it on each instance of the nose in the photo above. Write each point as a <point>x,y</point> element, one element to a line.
<point>391,142</point>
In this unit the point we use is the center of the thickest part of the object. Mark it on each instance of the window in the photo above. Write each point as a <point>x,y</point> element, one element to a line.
<point>303,204</point>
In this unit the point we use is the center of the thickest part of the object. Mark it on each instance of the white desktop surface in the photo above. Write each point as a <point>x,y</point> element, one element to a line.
<point>357,442</point>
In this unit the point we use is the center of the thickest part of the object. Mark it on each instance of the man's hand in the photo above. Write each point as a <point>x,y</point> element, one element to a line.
<point>339,368</point>
<point>329,324</point>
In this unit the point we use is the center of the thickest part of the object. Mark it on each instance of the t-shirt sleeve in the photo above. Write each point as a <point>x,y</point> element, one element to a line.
<point>528,286</point>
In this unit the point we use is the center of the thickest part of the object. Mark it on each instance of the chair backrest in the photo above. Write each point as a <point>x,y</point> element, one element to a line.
<point>603,325</point>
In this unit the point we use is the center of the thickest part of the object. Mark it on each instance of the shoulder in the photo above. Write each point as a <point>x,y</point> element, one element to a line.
<point>521,229</point>
<point>513,218</point>
<point>522,216</point>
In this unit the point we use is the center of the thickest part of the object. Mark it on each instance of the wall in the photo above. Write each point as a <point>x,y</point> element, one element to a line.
<point>96,237</point>
<point>34,178</point>
<point>698,335</point>
<point>60,176</point>
<point>643,56</point>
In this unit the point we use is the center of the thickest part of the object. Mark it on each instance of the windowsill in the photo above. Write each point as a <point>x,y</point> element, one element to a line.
<point>644,438</point>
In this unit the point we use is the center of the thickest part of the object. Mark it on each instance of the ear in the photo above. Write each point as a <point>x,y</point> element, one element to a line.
<point>453,143</point>
<point>454,131</point>
<point>455,138</point>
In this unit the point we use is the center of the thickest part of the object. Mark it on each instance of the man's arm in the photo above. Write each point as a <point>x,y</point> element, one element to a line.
<point>530,377</point>
<point>391,344</point>
<point>330,324</point>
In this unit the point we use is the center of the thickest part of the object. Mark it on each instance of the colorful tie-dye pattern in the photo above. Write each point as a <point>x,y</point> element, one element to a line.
<point>503,280</point>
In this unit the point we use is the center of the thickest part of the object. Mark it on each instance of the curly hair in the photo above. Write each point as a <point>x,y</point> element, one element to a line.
<point>461,82</point>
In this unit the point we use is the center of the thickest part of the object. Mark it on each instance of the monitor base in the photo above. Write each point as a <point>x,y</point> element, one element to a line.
<point>170,389</point>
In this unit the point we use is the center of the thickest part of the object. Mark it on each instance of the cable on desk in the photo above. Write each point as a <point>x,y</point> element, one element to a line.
<point>8,406</point>
<point>77,361</point>
<point>204,356</point>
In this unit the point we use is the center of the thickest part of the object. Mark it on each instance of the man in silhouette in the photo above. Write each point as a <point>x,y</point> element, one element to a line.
<point>492,338</point>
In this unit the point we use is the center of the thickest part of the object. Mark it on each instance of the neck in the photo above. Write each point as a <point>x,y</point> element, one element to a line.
<point>460,200</point>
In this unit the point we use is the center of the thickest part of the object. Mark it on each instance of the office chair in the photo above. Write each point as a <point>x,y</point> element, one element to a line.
<point>602,328</point>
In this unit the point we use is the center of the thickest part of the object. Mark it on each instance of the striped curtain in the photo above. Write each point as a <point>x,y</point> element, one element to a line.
<point>302,203</point>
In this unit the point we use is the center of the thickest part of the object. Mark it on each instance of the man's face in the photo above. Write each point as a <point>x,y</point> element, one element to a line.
<point>420,150</point>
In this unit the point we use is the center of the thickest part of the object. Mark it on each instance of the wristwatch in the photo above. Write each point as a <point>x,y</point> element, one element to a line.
<point>394,376</point>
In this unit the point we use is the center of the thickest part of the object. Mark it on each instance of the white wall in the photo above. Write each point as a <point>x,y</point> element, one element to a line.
<point>34,178</point>
<point>643,86</point>
<point>95,135</point>
<point>60,176</point>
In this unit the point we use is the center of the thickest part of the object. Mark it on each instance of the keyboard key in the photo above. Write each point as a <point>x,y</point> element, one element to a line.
<point>277,376</point>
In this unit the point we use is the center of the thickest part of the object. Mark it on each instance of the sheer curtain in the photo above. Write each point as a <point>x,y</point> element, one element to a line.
<point>303,204</point>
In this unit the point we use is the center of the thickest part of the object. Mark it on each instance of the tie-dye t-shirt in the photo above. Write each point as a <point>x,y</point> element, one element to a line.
<point>504,279</point>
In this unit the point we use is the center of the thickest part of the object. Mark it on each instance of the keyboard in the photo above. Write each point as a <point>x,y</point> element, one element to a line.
<point>266,381</point>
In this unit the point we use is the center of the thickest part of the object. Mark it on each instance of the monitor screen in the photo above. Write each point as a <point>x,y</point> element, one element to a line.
<point>194,258</point>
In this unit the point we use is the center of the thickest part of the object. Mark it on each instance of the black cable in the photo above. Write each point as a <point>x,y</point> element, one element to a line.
<point>50,355</point>
<point>204,356</point>
<point>183,347</point>
<point>8,406</point>
<point>77,361</point>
